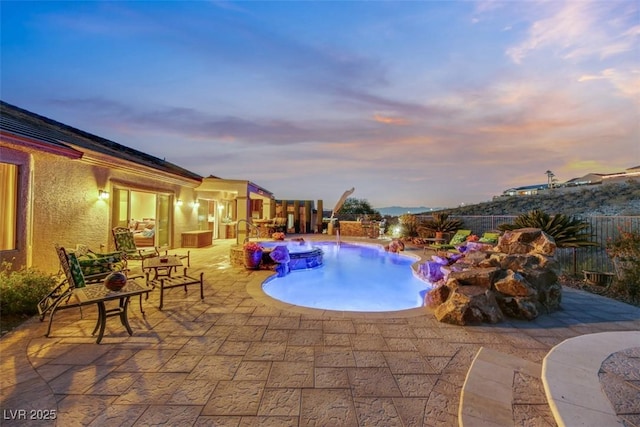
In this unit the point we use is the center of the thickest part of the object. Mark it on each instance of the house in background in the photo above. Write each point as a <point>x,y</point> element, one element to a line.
<point>589,179</point>
<point>59,184</point>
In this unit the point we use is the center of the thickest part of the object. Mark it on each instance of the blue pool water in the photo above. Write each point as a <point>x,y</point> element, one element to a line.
<point>353,278</point>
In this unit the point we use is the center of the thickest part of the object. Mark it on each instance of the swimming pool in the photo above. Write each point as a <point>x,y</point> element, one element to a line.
<point>352,278</point>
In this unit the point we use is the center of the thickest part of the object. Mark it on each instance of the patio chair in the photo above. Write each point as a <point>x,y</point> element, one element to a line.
<point>97,266</point>
<point>62,296</point>
<point>457,239</point>
<point>124,241</point>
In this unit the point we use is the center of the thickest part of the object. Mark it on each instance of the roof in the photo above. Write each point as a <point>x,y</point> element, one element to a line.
<point>23,123</point>
<point>529,187</point>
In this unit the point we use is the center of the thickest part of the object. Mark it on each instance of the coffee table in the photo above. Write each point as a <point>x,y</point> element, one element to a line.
<point>162,265</point>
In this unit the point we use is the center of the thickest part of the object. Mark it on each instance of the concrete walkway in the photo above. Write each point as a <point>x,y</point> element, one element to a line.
<point>239,358</point>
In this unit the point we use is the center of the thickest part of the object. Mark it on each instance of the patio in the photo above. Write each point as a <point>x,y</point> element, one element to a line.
<point>238,358</point>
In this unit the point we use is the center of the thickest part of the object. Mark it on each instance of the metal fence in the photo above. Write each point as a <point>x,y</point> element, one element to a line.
<point>572,261</point>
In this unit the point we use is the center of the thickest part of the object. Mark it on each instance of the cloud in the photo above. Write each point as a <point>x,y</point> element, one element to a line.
<point>390,120</point>
<point>579,30</point>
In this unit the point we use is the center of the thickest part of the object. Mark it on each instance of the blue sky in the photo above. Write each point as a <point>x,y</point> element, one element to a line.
<point>412,103</point>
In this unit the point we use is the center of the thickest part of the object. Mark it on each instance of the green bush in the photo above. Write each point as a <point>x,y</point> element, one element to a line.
<point>440,222</point>
<point>409,225</point>
<point>567,232</point>
<point>624,250</point>
<point>21,290</point>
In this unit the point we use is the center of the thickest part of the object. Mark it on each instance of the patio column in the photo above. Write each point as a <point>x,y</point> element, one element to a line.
<point>307,216</point>
<point>272,208</point>
<point>243,210</point>
<point>285,214</point>
<point>296,216</point>
<point>319,216</point>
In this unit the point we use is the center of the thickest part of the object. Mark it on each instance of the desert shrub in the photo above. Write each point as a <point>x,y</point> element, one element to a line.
<point>568,232</point>
<point>409,225</point>
<point>21,290</point>
<point>440,222</point>
<point>624,250</point>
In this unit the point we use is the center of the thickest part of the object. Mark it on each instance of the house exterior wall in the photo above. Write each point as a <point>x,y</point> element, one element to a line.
<point>60,204</point>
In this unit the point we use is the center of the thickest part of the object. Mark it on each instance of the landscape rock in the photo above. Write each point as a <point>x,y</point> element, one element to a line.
<point>482,277</point>
<point>517,278</point>
<point>525,241</point>
<point>469,305</point>
<point>437,296</point>
<point>519,307</point>
<point>514,284</point>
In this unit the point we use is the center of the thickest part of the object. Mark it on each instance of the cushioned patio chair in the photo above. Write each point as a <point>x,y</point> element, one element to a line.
<point>62,296</point>
<point>97,266</point>
<point>459,238</point>
<point>124,241</point>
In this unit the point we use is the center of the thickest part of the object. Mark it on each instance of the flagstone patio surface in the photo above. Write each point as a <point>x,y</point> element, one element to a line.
<point>239,358</point>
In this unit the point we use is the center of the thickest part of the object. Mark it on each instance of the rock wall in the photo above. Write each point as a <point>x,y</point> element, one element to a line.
<point>517,278</point>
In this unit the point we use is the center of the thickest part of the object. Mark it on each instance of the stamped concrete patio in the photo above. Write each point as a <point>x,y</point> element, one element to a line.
<point>239,358</point>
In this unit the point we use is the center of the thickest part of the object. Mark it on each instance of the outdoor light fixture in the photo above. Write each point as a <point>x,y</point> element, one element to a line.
<point>179,202</point>
<point>195,204</point>
<point>103,195</point>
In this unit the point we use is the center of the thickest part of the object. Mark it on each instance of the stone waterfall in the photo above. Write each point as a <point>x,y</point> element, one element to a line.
<point>517,278</point>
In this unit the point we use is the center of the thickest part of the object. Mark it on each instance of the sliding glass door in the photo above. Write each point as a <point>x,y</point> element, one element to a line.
<point>143,211</point>
<point>163,221</point>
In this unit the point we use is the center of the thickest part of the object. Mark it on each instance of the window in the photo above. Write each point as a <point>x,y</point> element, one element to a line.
<point>9,205</point>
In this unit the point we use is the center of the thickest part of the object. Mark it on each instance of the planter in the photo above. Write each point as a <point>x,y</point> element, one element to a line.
<point>252,259</point>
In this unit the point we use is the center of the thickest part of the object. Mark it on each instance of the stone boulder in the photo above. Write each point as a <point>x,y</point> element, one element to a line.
<point>526,241</point>
<point>482,277</point>
<point>437,296</point>
<point>469,305</point>
<point>517,278</point>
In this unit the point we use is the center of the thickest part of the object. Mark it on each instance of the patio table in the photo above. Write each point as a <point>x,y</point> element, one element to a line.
<point>166,262</point>
<point>100,294</point>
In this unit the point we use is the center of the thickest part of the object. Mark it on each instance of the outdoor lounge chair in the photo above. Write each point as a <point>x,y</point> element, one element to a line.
<point>459,238</point>
<point>63,296</point>
<point>489,237</point>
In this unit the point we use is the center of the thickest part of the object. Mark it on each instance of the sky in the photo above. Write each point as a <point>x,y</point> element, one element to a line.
<point>413,103</point>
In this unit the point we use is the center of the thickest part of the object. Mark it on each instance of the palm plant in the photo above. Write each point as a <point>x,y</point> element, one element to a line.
<point>441,223</point>
<point>568,232</point>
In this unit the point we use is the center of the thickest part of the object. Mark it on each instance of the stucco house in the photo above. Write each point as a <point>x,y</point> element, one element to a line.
<point>59,184</point>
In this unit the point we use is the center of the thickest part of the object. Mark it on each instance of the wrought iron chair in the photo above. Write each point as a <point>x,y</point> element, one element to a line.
<point>62,296</point>
<point>97,266</point>
<point>123,239</point>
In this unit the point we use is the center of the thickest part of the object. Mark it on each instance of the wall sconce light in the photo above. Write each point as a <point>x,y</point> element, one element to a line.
<point>103,195</point>
<point>179,202</point>
<point>195,204</point>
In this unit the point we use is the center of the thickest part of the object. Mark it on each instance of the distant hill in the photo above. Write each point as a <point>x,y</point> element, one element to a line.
<point>400,210</point>
<point>603,199</point>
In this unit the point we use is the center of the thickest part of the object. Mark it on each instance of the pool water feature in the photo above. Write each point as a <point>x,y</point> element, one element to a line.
<point>303,255</point>
<point>353,277</point>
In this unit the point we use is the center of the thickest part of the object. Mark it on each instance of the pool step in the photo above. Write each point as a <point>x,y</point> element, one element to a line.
<point>503,390</point>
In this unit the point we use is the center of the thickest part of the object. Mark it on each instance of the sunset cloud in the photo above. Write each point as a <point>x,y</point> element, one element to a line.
<point>412,103</point>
